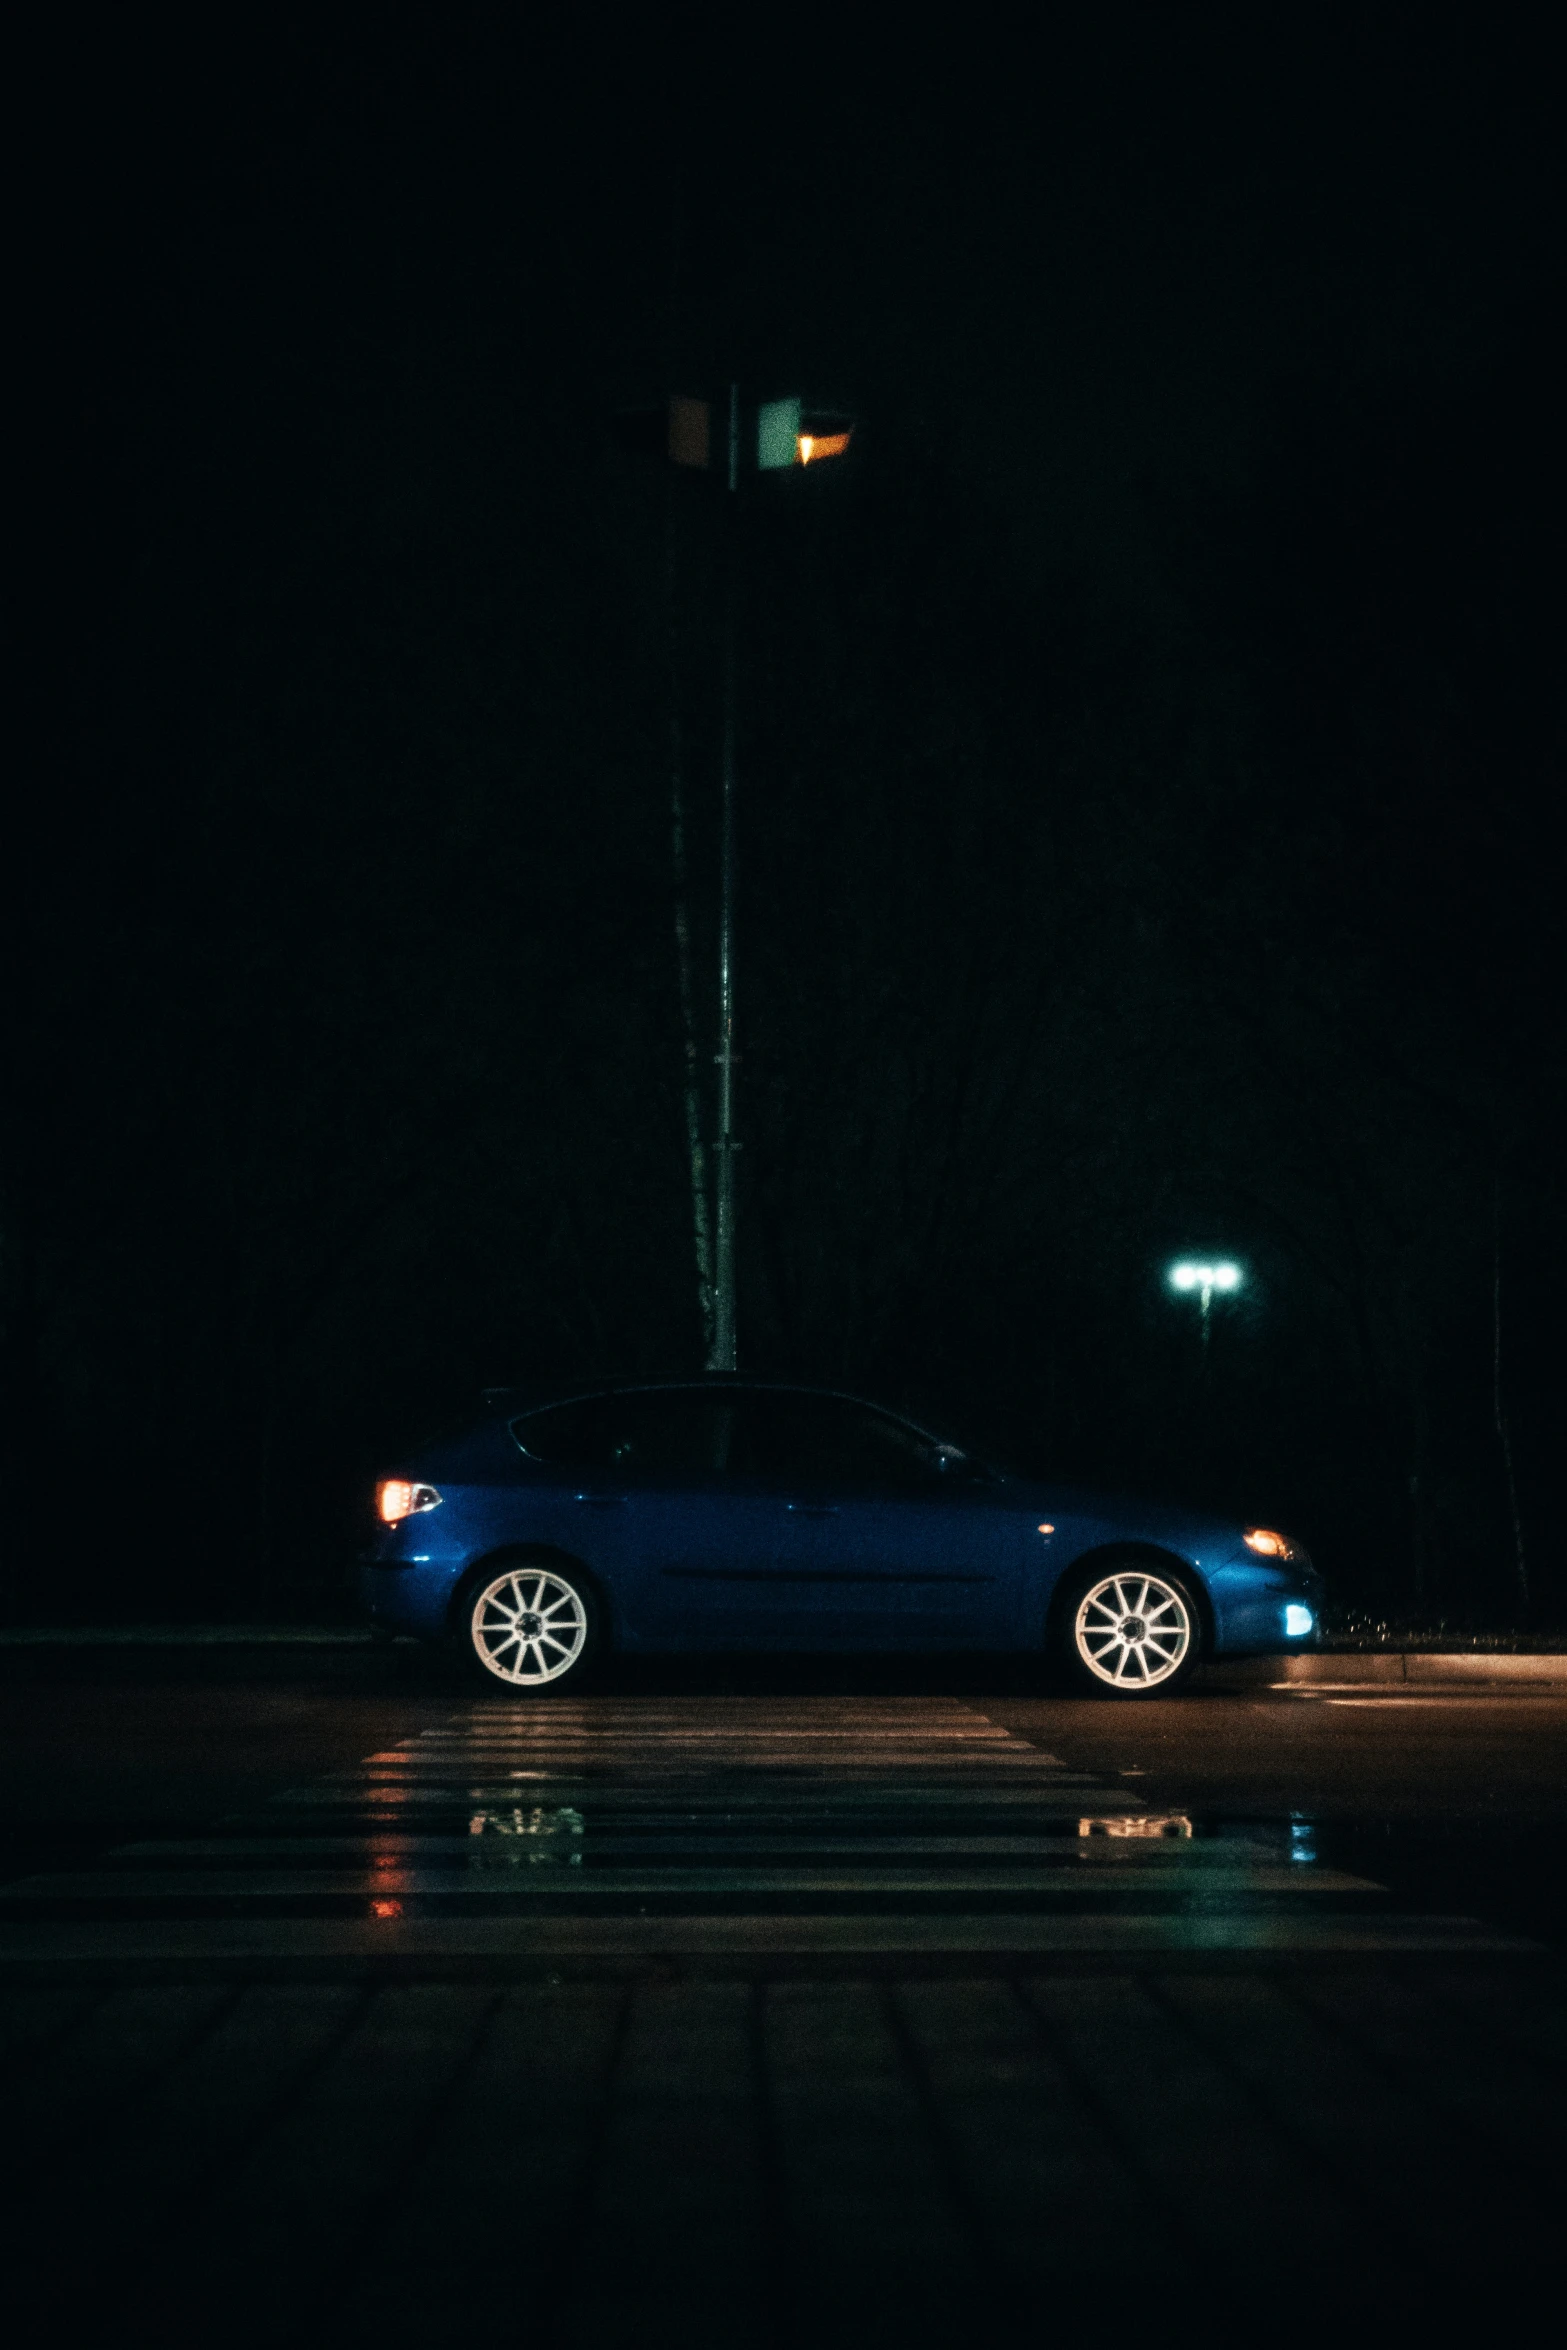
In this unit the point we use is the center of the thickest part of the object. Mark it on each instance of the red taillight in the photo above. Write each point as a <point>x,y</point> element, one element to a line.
<point>396,1498</point>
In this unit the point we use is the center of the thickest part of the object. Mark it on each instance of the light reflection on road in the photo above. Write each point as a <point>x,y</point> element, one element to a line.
<point>1162,1825</point>
<point>519,1838</point>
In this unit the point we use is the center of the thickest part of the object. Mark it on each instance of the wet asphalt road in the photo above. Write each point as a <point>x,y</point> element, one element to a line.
<point>776,2005</point>
<point>1458,1799</point>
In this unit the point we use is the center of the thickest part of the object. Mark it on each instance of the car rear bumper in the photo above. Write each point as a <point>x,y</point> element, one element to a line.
<point>399,1596</point>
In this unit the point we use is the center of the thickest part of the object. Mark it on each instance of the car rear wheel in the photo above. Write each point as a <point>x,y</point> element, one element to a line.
<point>530,1626</point>
<point>1132,1630</point>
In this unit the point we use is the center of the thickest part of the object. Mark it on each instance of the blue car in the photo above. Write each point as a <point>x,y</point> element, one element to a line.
<point>727,1514</point>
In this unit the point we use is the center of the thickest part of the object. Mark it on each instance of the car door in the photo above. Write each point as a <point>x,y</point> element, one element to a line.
<point>887,1540</point>
<point>647,1503</point>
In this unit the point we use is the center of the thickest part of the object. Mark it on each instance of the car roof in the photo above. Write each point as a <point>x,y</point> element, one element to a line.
<point>507,1402</point>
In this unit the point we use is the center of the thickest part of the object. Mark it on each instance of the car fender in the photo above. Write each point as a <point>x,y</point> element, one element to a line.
<point>533,1554</point>
<point>1079,1568</point>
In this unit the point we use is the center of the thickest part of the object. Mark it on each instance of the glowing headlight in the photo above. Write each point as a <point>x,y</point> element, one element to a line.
<point>1297,1621</point>
<point>1267,1544</point>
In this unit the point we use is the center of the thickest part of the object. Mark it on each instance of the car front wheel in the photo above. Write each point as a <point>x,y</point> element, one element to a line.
<point>1132,1631</point>
<point>530,1626</point>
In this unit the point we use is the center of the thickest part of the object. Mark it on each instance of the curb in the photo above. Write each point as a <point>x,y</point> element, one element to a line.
<point>1382,1668</point>
<point>1353,1669</point>
<point>192,1636</point>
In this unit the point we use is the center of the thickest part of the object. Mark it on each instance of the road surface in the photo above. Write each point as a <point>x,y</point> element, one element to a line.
<point>808,2005</point>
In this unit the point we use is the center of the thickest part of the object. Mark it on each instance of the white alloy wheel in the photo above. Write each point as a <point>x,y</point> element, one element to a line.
<point>529,1626</point>
<point>1132,1630</point>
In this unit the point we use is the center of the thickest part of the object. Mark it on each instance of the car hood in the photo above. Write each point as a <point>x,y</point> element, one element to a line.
<point>1132,1517</point>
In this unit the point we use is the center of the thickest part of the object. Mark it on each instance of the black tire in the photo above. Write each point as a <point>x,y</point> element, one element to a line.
<point>1119,1615</point>
<point>528,1627</point>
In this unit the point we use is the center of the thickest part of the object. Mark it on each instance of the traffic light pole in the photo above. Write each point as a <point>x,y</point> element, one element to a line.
<point>723,1354</point>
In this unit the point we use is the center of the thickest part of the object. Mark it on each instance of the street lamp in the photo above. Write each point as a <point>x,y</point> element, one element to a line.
<point>1204,1282</point>
<point>786,435</point>
<point>718,438</point>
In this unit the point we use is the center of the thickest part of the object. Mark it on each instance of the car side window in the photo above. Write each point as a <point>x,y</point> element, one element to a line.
<point>670,1434</point>
<point>824,1440</point>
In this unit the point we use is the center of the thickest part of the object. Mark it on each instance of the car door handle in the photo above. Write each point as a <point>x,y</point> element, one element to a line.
<point>812,1509</point>
<point>603,1501</point>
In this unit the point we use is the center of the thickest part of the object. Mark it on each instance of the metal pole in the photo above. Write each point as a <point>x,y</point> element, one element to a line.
<point>696,1148</point>
<point>722,1355</point>
<point>1498,1399</point>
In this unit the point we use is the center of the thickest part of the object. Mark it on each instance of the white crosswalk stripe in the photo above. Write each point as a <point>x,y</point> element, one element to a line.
<point>733,1829</point>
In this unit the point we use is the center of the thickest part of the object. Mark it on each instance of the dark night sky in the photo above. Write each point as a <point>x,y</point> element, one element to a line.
<point>1091,250</point>
<point>1153,738</point>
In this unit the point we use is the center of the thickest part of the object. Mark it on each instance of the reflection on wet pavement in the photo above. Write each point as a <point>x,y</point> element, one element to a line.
<point>1150,1824</point>
<point>891,1825</point>
<point>518,1838</point>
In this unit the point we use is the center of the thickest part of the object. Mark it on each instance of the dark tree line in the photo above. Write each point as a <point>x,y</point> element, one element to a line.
<point>352,1057</point>
<point>1081,924</point>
